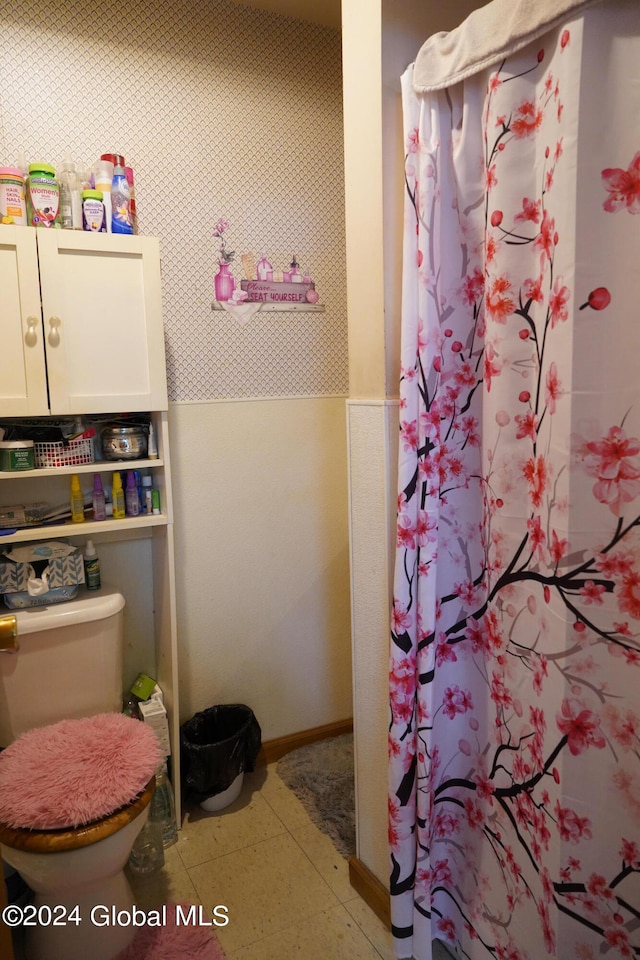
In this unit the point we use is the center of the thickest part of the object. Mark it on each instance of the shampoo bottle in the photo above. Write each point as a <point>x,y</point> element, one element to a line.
<point>99,507</point>
<point>76,500</point>
<point>91,567</point>
<point>117,496</point>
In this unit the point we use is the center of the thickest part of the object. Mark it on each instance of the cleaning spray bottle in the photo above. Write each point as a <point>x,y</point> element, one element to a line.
<point>91,567</point>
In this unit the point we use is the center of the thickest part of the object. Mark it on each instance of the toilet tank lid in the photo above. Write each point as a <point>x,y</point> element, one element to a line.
<point>106,603</point>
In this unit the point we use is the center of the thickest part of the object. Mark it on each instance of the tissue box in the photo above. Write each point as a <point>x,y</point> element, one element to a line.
<point>154,713</point>
<point>60,563</point>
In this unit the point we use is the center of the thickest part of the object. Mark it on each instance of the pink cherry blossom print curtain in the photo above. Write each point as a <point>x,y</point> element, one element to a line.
<point>514,803</point>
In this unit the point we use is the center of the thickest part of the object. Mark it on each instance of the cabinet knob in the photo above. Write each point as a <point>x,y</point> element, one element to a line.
<point>31,336</point>
<point>54,336</point>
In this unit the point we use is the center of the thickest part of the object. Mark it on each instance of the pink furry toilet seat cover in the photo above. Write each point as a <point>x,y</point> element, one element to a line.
<point>72,772</point>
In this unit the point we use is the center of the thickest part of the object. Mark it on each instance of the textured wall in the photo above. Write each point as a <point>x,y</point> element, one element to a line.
<point>221,110</point>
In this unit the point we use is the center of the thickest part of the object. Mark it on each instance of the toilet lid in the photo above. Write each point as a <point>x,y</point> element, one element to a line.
<point>75,771</point>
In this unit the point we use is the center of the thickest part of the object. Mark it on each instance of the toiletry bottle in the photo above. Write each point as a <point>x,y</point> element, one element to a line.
<point>99,507</point>
<point>152,447</point>
<point>91,567</point>
<point>102,177</point>
<point>296,276</point>
<point>117,496</point>
<point>155,502</point>
<point>131,497</point>
<point>76,500</point>
<point>132,198</point>
<point>120,200</point>
<point>264,269</point>
<point>70,210</point>
<point>147,483</point>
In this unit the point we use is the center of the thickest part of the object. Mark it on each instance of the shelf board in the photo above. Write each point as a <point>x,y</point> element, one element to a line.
<point>281,307</point>
<point>98,466</point>
<point>89,528</point>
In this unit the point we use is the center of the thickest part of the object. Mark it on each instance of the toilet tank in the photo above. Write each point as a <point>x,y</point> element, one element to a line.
<point>69,663</point>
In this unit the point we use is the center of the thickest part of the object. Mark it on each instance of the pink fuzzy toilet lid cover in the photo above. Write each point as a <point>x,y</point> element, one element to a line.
<point>72,772</point>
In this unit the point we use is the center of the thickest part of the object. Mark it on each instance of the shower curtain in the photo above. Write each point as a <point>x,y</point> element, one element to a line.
<point>514,800</point>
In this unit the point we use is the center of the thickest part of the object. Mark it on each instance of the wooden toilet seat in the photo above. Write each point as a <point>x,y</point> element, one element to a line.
<point>56,841</point>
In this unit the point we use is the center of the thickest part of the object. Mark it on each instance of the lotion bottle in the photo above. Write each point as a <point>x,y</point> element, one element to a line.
<point>99,508</point>
<point>117,496</point>
<point>76,500</point>
<point>132,499</point>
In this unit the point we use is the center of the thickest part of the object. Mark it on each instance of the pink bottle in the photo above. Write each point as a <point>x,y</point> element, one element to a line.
<point>264,269</point>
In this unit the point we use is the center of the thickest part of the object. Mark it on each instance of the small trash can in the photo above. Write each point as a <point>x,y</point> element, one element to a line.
<point>217,746</point>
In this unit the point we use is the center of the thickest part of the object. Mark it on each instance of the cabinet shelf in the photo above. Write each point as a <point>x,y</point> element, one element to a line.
<point>90,528</point>
<point>98,466</point>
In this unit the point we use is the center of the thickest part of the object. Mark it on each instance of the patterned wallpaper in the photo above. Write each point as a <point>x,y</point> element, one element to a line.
<point>221,110</point>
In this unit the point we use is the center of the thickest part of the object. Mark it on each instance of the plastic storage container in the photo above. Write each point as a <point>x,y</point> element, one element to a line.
<point>16,455</point>
<point>13,206</point>
<point>43,196</point>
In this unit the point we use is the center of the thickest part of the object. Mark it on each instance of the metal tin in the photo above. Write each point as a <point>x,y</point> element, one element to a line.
<point>124,443</point>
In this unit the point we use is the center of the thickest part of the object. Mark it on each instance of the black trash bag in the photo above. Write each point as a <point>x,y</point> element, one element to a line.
<point>217,744</point>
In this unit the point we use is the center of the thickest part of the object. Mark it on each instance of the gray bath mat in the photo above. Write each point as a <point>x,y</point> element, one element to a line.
<point>321,776</point>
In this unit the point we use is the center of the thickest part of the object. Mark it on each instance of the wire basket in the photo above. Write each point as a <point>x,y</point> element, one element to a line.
<point>70,454</point>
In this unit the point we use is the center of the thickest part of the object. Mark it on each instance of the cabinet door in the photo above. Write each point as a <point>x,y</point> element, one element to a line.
<point>23,384</point>
<point>102,314</point>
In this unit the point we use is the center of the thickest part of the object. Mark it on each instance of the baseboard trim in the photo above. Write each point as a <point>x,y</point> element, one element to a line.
<point>272,750</point>
<point>374,894</point>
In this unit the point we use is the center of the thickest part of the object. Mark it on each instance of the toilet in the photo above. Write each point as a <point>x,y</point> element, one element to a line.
<point>69,666</point>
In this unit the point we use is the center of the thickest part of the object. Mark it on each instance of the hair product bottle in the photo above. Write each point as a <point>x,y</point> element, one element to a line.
<point>132,500</point>
<point>117,497</point>
<point>76,500</point>
<point>99,508</point>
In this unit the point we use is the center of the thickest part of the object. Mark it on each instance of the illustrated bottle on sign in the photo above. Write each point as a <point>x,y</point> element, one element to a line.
<point>132,499</point>
<point>120,200</point>
<point>296,276</point>
<point>70,202</point>
<point>91,567</point>
<point>117,497</point>
<point>264,269</point>
<point>103,177</point>
<point>99,506</point>
<point>76,500</point>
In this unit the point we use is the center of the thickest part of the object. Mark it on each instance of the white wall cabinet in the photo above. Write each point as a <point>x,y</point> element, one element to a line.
<point>81,323</point>
<point>81,334</point>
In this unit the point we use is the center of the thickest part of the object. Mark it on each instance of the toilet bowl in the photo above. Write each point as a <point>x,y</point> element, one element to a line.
<point>69,666</point>
<point>78,880</point>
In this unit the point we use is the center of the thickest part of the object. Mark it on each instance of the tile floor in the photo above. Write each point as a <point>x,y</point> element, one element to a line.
<point>284,884</point>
